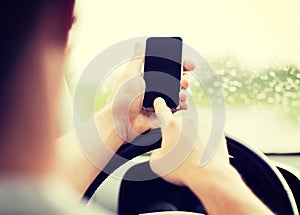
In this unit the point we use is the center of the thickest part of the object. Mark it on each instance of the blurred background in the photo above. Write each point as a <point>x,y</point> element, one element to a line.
<point>253,46</point>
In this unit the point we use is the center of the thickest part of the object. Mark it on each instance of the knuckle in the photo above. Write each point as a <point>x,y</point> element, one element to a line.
<point>172,123</point>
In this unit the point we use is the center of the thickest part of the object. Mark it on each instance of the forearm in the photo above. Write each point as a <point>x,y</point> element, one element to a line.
<point>74,165</point>
<point>226,193</point>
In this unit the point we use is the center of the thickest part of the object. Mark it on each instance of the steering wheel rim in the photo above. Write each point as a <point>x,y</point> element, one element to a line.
<point>257,170</point>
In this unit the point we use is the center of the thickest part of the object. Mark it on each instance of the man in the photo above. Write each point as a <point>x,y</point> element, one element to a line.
<point>33,47</point>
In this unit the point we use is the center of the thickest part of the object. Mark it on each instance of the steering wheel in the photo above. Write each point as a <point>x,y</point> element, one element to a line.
<point>157,195</point>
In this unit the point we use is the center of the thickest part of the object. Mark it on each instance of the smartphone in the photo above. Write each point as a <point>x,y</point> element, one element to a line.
<point>163,71</point>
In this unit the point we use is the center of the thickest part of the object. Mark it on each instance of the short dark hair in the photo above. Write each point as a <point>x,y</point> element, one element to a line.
<point>18,18</point>
<point>18,21</point>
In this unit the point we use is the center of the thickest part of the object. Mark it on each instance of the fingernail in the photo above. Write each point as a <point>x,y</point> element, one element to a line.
<point>158,100</point>
<point>185,83</point>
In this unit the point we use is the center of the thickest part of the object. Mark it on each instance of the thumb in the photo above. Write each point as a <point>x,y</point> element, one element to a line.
<point>135,64</point>
<point>162,111</point>
<point>138,50</point>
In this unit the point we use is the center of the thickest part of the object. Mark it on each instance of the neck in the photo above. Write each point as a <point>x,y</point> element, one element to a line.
<point>27,131</point>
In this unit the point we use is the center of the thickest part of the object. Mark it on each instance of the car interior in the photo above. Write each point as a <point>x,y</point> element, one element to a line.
<point>273,177</point>
<point>262,96</point>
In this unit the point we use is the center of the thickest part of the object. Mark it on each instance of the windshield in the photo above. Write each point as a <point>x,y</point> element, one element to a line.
<point>254,48</point>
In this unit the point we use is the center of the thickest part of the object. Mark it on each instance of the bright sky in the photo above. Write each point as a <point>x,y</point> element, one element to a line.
<point>256,31</point>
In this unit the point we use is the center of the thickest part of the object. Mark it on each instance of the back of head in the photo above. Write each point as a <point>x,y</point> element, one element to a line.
<point>19,18</point>
<point>20,21</point>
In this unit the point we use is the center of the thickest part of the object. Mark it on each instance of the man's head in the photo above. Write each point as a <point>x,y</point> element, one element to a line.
<point>33,40</point>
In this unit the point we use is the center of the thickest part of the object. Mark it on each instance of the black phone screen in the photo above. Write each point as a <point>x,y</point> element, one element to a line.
<point>163,70</point>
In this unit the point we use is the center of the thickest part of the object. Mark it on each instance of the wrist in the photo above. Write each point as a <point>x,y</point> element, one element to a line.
<point>204,180</point>
<point>107,128</point>
<point>224,191</point>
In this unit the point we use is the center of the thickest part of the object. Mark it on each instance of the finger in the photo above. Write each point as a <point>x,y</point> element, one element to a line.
<point>188,65</point>
<point>135,64</point>
<point>184,105</point>
<point>154,122</point>
<point>183,95</point>
<point>185,83</point>
<point>186,80</point>
<point>162,111</point>
<point>138,50</point>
